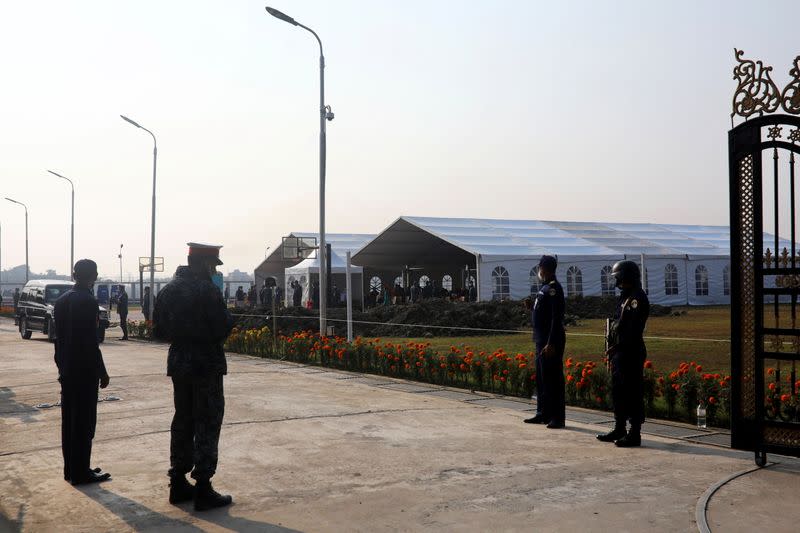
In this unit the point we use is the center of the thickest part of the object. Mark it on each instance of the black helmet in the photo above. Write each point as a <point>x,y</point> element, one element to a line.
<point>626,271</point>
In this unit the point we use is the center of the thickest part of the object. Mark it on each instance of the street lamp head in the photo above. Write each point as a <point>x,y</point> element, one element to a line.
<point>283,16</point>
<point>126,119</point>
<point>56,174</point>
<point>14,201</point>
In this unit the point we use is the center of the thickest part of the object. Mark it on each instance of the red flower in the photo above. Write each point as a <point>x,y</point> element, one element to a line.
<point>648,364</point>
<point>712,400</point>
<point>785,398</point>
<point>772,387</point>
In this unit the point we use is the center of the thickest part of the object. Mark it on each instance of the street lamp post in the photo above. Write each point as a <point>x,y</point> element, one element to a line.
<point>325,113</point>
<point>27,268</point>
<point>152,216</point>
<point>72,222</point>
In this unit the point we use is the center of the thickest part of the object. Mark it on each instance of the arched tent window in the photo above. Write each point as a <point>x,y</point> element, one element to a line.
<point>424,280</point>
<point>375,283</point>
<point>671,280</point>
<point>726,280</point>
<point>608,285</point>
<point>534,280</point>
<point>701,281</point>
<point>574,281</point>
<point>398,280</point>
<point>447,282</point>
<point>500,283</point>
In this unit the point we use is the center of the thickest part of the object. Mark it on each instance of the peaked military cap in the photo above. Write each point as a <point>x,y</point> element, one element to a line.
<point>197,249</point>
<point>549,262</point>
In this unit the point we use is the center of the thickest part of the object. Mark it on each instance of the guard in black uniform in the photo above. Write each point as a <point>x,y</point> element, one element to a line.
<point>122,310</point>
<point>80,370</point>
<point>627,354</point>
<point>547,319</point>
<point>191,315</point>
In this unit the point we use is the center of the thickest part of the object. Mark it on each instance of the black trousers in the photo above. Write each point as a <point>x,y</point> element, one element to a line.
<point>550,400</point>
<point>194,442</point>
<point>627,388</point>
<point>78,423</point>
<point>123,323</point>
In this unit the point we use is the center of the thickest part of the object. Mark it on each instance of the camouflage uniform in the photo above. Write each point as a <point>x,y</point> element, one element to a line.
<point>191,314</point>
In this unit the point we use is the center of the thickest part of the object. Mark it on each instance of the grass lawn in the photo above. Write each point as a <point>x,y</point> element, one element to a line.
<point>697,323</point>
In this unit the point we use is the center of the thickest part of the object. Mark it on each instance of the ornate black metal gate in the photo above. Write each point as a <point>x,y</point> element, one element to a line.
<point>765,260</point>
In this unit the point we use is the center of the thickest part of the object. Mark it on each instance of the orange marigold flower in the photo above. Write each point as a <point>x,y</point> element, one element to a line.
<point>570,378</point>
<point>522,365</point>
<point>772,386</point>
<point>785,398</point>
<point>771,371</point>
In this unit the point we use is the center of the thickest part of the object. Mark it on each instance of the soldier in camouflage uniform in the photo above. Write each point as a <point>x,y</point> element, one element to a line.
<point>192,316</point>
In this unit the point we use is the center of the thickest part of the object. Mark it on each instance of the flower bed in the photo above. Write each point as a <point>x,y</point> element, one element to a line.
<point>141,329</point>
<point>673,395</point>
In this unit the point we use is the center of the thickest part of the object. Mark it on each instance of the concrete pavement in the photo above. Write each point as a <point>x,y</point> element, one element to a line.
<point>307,449</point>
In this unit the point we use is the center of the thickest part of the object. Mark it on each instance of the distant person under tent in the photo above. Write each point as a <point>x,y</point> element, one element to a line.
<point>240,297</point>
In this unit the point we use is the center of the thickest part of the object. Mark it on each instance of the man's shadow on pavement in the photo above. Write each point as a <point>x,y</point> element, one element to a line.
<point>142,518</point>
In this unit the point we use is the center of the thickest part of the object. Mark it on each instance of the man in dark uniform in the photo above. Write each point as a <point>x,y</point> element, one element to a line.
<point>146,304</point>
<point>80,370</point>
<point>191,315</point>
<point>315,296</point>
<point>547,319</point>
<point>627,354</point>
<point>122,310</point>
<point>16,299</point>
<point>266,296</point>
<point>472,293</point>
<point>297,294</point>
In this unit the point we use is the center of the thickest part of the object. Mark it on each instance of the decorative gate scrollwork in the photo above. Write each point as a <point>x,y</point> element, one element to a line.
<point>765,256</point>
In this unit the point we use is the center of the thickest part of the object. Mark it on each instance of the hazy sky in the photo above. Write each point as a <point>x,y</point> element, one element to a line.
<point>514,109</point>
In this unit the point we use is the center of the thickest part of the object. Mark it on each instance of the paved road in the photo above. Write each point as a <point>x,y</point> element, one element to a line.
<point>313,450</point>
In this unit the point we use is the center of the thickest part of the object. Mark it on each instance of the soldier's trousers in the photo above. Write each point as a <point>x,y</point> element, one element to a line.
<point>78,423</point>
<point>123,324</point>
<point>550,401</point>
<point>627,388</point>
<point>199,408</point>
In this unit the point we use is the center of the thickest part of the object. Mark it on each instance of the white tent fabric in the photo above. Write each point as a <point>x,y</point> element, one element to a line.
<point>303,271</point>
<point>686,264</point>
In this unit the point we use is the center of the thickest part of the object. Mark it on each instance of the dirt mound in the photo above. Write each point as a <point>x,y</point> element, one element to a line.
<point>449,319</point>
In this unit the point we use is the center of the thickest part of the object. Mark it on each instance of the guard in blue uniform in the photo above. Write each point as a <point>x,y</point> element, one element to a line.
<point>627,354</point>
<point>80,370</point>
<point>191,315</point>
<point>547,319</point>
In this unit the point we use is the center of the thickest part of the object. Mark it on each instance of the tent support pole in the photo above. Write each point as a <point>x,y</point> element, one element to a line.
<point>686,276</point>
<point>478,276</point>
<point>349,288</point>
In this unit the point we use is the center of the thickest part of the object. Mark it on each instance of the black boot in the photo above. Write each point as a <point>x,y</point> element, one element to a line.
<point>180,490</point>
<point>617,433</point>
<point>632,439</point>
<point>206,497</point>
<point>538,419</point>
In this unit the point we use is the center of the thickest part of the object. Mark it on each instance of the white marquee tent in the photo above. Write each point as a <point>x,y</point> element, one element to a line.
<point>308,270</point>
<point>275,265</point>
<point>685,264</point>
